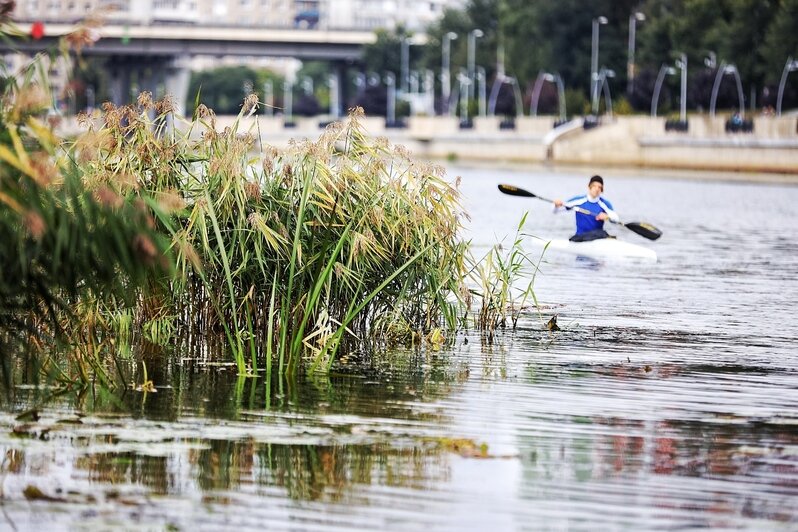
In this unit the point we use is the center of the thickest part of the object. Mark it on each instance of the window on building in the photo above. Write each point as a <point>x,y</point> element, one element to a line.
<point>33,6</point>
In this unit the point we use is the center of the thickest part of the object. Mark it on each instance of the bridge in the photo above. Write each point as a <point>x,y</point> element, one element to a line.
<point>156,55</point>
<point>173,40</point>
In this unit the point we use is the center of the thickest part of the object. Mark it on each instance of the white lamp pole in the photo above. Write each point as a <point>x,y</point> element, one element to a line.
<point>268,97</point>
<point>390,82</point>
<point>681,64</point>
<point>446,75</point>
<point>288,89</point>
<point>789,66</point>
<point>663,71</point>
<point>594,49</point>
<point>405,67</point>
<point>472,45</point>
<point>481,79</point>
<point>634,18</point>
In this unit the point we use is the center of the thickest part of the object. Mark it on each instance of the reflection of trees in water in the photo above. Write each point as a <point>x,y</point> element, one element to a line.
<point>329,472</point>
<point>634,455</point>
<point>127,467</point>
<point>306,472</point>
<point>176,459</point>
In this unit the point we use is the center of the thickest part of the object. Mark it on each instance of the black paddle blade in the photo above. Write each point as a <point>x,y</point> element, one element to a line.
<point>515,191</point>
<point>643,229</point>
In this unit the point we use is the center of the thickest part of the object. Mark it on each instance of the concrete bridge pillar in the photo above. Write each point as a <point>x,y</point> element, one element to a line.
<point>120,83</point>
<point>177,76</point>
<point>339,71</point>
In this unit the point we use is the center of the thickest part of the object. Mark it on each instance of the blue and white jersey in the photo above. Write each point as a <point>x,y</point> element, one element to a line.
<point>588,222</point>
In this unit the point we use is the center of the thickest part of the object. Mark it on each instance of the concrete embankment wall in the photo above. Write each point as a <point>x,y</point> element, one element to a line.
<point>633,141</point>
<point>623,141</point>
<point>643,142</point>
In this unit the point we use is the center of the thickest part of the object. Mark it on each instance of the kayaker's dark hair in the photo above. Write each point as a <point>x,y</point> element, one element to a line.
<point>596,178</point>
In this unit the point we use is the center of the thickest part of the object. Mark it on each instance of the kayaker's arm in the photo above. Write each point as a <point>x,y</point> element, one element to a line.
<point>609,213</point>
<point>611,216</point>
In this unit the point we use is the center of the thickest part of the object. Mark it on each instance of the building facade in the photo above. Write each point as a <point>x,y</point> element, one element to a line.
<point>414,15</point>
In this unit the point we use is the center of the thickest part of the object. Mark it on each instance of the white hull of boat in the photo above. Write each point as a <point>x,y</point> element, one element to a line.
<point>602,249</point>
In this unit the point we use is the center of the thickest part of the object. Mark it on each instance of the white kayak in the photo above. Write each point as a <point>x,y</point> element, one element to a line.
<point>602,249</point>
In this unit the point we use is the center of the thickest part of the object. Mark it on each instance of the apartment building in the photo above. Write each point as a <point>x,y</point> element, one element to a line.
<point>414,15</point>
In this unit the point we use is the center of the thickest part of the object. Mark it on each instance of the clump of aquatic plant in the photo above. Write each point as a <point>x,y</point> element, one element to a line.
<point>504,283</point>
<point>292,252</point>
<point>63,246</point>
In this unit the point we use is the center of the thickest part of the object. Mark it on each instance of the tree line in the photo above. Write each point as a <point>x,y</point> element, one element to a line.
<point>757,36</point>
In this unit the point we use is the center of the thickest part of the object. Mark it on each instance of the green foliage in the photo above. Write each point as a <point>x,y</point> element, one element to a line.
<point>64,245</point>
<point>576,102</point>
<point>781,40</point>
<point>292,252</point>
<point>385,54</point>
<point>149,229</point>
<point>621,106</point>
<point>497,277</point>
<point>756,35</point>
<point>224,88</point>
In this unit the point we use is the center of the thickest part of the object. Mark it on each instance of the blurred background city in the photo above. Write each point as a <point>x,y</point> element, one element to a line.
<point>705,69</point>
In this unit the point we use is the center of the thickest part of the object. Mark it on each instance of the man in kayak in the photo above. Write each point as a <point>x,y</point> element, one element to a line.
<point>590,226</point>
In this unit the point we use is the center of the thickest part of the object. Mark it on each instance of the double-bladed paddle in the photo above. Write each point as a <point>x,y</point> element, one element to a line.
<point>641,228</point>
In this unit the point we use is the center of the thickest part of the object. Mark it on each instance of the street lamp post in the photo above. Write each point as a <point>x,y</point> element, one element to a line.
<point>594,55</point>
<point>481,79</point>
<point>446,75</point>
<point>722,71</point>
<point>268,97</point>
<point>542,77</point>
<point>551,78</point>
<point>405,67</point>
<point>601,84</point>
<point>634,18</point>
<point>288,93</point>
<point>390,82</point>
<point>789,66</point>
<point>603,75</point>
<point>429,91</point>
<point>472,45</point>
<point>335,106</point>
<point>664,69</point>
<point>462,77</point>
<point>681,64</point>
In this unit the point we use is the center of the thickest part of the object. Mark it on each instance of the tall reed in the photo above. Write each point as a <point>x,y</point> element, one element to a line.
<point>287,255</point>
<point>67,252</point>
<point>292,251</point>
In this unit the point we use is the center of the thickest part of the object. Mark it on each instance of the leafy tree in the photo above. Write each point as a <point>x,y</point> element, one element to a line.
<point>780,43</point>
<point>223,89</point>
<point>557,37</point>
<point>385,54</point>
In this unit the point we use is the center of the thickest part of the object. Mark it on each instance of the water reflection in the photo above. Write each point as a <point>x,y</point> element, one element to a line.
<point>667,400</point>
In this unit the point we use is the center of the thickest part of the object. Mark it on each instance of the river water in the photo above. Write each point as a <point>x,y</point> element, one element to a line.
<point>669,399</point>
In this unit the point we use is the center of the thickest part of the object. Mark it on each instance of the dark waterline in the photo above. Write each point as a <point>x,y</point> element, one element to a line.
<point>668,400</point>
